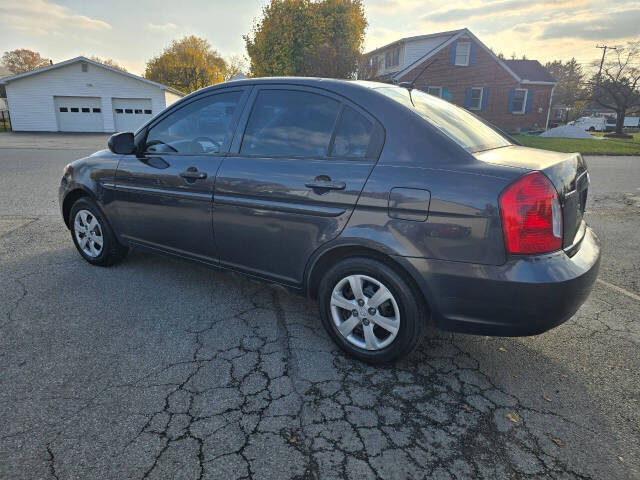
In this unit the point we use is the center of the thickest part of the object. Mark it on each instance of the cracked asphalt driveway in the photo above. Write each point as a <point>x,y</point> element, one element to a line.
<point>161,369</point>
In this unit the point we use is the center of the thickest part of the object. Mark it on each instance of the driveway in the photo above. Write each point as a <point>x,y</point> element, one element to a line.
<point>161,369</point>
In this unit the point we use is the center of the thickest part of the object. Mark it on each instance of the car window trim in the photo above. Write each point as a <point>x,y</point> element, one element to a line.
<point>179,105</point>
<point>241,127</point>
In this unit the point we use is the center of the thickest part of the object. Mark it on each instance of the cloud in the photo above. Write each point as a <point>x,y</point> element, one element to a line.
<point>499,8</point>
<point>609,25</point>
<point>41,17</point>
<point>162,27</point>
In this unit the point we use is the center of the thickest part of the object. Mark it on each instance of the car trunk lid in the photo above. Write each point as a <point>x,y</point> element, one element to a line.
<point>567,172</point>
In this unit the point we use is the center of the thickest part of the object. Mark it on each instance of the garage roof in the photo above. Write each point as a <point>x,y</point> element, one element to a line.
<point>12,78</point>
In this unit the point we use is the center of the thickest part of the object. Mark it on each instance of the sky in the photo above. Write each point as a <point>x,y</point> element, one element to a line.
<point>131,32</point>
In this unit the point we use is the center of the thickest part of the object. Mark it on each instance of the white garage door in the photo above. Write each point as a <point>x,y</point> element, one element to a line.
<point>79,114</point>
<point>130,113</point>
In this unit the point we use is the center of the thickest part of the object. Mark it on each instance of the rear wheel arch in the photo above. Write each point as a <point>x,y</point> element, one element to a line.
<point>330,257</point>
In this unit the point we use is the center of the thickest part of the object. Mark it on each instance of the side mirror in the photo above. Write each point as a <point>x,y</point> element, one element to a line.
<point>121,143</point>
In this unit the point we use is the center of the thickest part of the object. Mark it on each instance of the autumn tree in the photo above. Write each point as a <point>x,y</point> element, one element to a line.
<point>618,85</point>
<point>234,65</point>
<point>308,38</point>
<point>187,65</point>
<point>109,62</point>
<point>570,89</point>
<point>23,60</point>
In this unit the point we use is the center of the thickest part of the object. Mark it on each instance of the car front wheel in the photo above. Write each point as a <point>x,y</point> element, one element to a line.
<point>92,235</point>
<point>370,311</point>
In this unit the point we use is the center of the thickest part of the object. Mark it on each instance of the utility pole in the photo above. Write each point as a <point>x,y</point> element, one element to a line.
<point>604,52</point>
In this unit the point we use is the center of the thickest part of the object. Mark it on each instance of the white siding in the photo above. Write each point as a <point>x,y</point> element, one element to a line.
<point>170,98</point>
<point>31,98</point>
<point>416,49</point>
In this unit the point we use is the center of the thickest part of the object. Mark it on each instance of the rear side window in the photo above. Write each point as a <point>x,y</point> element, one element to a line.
<point>353,135</point>
<point>290,123</point>
<point>202,126</point>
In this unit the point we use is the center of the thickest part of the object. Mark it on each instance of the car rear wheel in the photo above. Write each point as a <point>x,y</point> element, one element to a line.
<point>92,235</point>
<point>370,311</point>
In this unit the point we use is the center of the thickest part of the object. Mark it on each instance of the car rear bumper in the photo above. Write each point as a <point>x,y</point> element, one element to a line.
<point>525,296</point>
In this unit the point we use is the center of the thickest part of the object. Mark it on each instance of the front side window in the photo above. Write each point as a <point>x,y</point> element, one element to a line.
<point>463,51</point>
<point>200,127</point>
<point>475,102</point>
<point>462,127</point>
<point>290,123</point>
<point>519,101</point>
<point>353,135</point>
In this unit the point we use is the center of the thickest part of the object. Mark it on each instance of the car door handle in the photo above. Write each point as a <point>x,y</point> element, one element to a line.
<point>192,173</point>
<point>326,185</point>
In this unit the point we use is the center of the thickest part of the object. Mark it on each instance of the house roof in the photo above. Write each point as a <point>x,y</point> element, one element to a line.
<point>450,37</point>
<point>416,37</point>
<point>19,76</point>
<point>530,70</point>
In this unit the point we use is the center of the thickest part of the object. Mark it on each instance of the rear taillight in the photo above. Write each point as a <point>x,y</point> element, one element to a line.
<point>531,215</point>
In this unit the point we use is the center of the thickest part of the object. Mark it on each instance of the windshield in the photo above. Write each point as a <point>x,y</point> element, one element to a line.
<point>466,130</point>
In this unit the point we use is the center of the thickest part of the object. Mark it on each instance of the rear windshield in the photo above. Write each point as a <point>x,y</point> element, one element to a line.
<point>465,129</point>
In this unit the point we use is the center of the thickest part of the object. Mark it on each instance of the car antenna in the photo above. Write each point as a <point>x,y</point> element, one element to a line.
<point>409,85</point>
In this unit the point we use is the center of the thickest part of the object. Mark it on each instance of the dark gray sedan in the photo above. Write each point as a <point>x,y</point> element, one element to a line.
<point>392,207</point>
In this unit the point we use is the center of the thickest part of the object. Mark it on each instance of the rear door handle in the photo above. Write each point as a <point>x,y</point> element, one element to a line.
<point>326,185</point>
<point>192,173</point>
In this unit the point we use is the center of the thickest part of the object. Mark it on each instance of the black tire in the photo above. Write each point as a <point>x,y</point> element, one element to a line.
<point>412,314</point>
<point>592,129</point>
<point>111,251</point>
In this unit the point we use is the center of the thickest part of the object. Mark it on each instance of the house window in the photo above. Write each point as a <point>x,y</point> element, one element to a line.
<point>519,100</point>
<point>147,112</point>
<point>128,110</point>
<point>392,58</point>
<point>96,110</point>
<point>463,52</point>
<point>85,67</point>
<point>435,91</point>
<point>119,110</point>
<point>475,102</point>
<point>86,110</point>
<point>74,109</point>
<point>64,109</point>
<point>138,111</point>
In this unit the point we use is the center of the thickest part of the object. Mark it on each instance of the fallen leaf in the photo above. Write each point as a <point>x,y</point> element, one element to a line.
<point>621,459</point>
<point>546,399</point>
<point>558,442</point>
<point>502,349</point>
<point>466,408</point>
<point>293,439</point>
<point>513,417</point>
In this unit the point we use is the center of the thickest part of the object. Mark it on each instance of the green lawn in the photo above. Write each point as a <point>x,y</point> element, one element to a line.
<point>611,146</point>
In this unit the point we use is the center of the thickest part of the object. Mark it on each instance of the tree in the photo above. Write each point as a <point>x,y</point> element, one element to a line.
<point>234,65</point>
<point>187,65</point>
<point>570,90</point>
<point>617,86</point>
<point>309,38</point>
<point>109,62</point>
<point>23,60</point>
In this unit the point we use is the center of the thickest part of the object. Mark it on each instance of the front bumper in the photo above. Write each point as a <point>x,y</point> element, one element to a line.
<point>525,296</point>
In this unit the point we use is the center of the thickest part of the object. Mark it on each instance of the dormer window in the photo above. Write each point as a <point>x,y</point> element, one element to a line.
<point>463,53</point>
<point>392,58</point>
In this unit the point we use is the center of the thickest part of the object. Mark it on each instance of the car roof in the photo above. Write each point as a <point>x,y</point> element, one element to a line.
<point>333,84</point>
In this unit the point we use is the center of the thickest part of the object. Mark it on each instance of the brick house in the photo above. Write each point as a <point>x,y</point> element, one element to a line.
<point>512,94</point>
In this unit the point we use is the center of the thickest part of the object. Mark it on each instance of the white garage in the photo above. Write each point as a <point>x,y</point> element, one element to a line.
<point>81,95</point>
